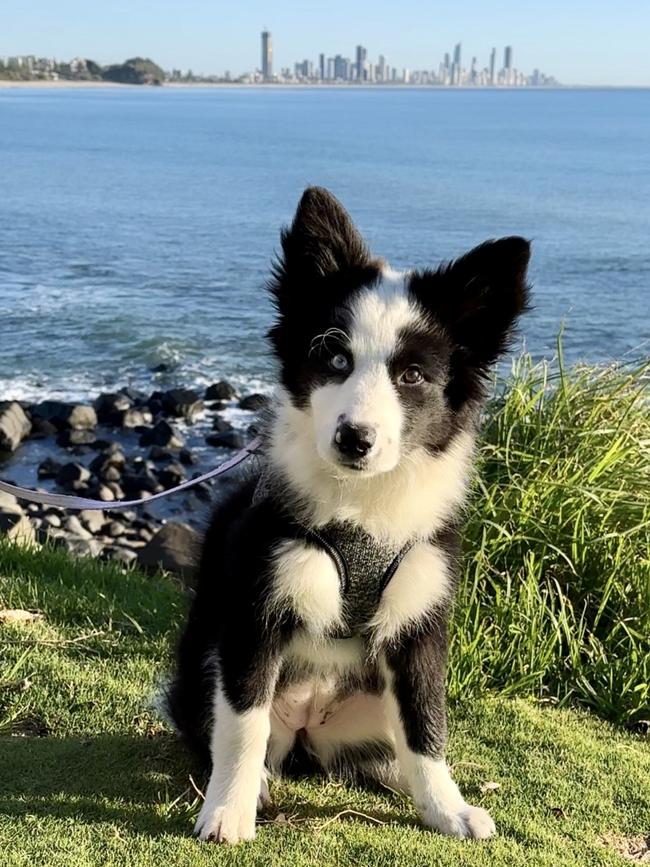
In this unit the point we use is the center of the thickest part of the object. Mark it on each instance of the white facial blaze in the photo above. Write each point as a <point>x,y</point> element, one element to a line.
<point>368,397</point>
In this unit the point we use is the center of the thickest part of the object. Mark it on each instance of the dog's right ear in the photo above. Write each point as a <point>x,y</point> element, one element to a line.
<point>322,243</point>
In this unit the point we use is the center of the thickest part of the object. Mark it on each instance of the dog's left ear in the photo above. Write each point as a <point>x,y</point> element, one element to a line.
<point>479,297</point>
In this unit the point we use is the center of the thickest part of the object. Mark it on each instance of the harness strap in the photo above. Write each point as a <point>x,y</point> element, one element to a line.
<point>326,541</point>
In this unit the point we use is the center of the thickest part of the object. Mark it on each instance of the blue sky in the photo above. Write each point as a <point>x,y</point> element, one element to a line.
<point>578,41</point>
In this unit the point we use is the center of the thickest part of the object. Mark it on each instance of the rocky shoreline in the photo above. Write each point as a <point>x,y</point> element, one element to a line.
<point>126,444</point>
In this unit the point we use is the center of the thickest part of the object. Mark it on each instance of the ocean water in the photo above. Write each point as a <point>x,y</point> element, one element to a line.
<point>138,224</point>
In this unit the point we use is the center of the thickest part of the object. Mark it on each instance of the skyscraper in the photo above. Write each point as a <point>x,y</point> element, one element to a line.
<point>493,64</point>
<point>321,67</point>
<point>456,67</point>
<point>267,55</point>
<point>362,54</point>
<point>507,57</point>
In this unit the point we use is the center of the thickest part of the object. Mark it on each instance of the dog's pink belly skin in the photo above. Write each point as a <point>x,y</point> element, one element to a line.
<point>306,706</point>
<point>313,712</point>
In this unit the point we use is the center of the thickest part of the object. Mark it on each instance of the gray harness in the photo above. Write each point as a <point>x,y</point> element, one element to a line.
<point>364,566</point>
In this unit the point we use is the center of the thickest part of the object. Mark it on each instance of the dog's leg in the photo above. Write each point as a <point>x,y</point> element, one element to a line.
<point>238,747</point>
<point>415,706</point>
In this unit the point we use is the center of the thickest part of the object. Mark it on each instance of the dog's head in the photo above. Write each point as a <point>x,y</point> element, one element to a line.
<point>381,363</point>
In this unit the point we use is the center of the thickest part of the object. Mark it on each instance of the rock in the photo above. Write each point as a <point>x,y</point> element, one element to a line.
<point>68,438</point>
<point>48,469</point>
<point>126,556</point>
<point>73,526</point>
<point>17,527</point>
<point>220,425</point>
<point>108,465</point>
<point>174,548</point>
<point>66,415</point>
<point>92,519</point>
<point>41,429</point>
<point>159,454</point>
<point>137,397</point>
<point>9,503</point>
<point>52,519</point>
<point>135,417</point>
<point>116,490</point>
<point>83,547</point>
<point>254,402</point>
<point>73,476</point>
<point>220,391</point>
<point>187,458</point>
<point>104,493</point>
<point>180,402</point>
<point>163,367</point>
<point>136,483</point>
<point>14,425</point>
<point>171,475</point>
<point>162,434</point>
<point>110,405</point>
<point>228,440</point>
<point>115,529</point>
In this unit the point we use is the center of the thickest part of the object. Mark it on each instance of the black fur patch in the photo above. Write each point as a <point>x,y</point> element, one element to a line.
<point>477,299</point>
<point>324,261</point>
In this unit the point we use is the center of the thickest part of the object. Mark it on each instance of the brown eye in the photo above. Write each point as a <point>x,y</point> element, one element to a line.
<point>411,376</point>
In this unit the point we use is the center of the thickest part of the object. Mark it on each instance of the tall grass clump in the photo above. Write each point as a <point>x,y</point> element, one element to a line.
<point>555,599</point>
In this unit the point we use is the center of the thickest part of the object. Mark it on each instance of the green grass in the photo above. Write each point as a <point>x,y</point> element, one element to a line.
<point>556,594</point>
<point>554,609</point>
<point>107,784</point>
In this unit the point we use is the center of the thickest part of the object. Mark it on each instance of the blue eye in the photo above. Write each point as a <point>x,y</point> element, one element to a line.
<point>339,362</point>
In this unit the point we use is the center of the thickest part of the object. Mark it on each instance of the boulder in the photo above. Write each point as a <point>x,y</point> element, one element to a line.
<point>73,476</point>
<point>171,475</point>
<point>92,519</point>
<point>109,406</point>
<point>180,403</point>
<point>162,434</point>
<point>14,425</point>
<point>220,391</point>
<point>228,440</point>
<point>174,548</point>
<point>74,527</point>
<point>160,455</point>
<point>114,529</point>
<point>42,429</point>
<point>9,503</point>
<point>77,416</point>
<point>68,438</point>
<point>134,418</point>
<point>17,527</point>
<point>48,469</point>
<point>119,554</point>
<point>220,424</point>
<point>254,402</point>
<point>137,483</point>
<point>186,457</point>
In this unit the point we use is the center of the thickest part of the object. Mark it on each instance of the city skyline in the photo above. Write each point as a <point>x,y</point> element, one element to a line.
<point>583,43</point>
<point>450,72</point>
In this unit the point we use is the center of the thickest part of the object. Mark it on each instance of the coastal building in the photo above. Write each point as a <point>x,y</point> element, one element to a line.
<point>267,55</point>
<point>360,65</point>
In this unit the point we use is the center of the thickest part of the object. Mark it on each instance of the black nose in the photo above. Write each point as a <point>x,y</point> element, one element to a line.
<point>354,440</point>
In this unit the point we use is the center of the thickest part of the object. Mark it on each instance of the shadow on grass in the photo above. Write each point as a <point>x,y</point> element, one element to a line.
<point>141,785</point>
<point>128,780</point>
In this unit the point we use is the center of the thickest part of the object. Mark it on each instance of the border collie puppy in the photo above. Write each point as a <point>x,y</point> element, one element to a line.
<point>319,625</point>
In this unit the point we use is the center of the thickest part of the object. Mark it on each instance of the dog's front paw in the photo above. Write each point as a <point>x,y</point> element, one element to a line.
<point>224,823</point>
<point>467,822</point>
